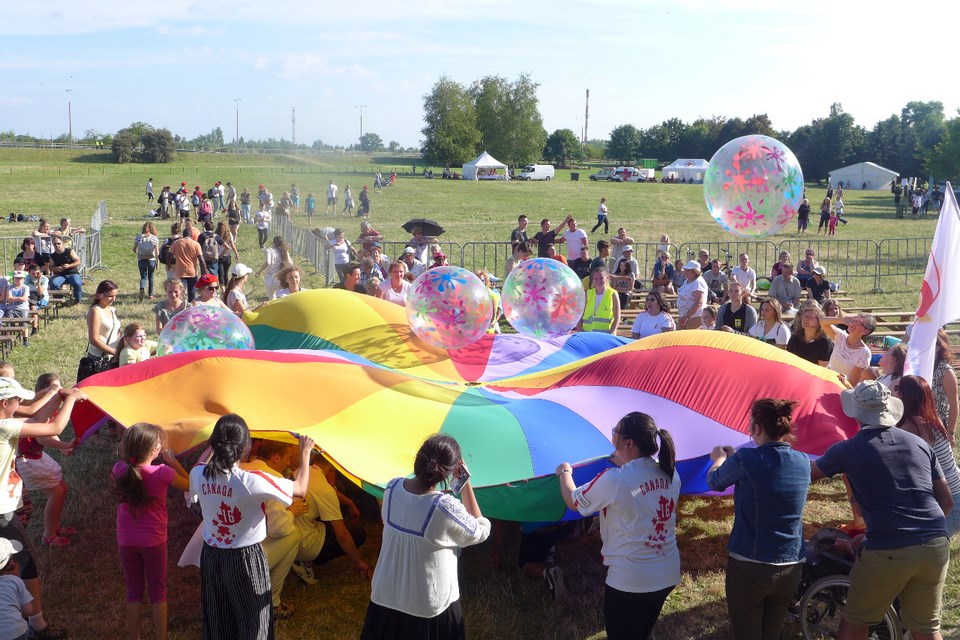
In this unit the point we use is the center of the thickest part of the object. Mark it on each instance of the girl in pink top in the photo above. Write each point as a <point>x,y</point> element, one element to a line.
<point>141,487</point>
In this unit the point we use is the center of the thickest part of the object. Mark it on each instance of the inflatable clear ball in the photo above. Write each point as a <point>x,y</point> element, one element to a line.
<point>449,307</point>
<point>202,328</point>
<point>753,186</point>
<point>543,298</point>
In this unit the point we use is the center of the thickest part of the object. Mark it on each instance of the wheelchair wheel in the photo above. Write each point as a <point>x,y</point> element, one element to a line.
<point>822,607</point>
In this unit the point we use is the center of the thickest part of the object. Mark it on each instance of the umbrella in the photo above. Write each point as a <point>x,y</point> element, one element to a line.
<point>370,419</point>
<point>429,227</point>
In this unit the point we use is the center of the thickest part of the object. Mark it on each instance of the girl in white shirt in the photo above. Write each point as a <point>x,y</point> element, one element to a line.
<point>769,327</point>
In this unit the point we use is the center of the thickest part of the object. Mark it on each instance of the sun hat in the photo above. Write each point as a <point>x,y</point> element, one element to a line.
<point>819,271</point>
<point>693,264</point>
<point>871,403</point>
<point>240,270</point>
<point>206,280</point>
<point>10,388</point>
<point>627,247</point>
<point>8,548</point>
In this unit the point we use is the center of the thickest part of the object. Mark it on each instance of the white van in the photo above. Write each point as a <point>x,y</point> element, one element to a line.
<point>537,172</point>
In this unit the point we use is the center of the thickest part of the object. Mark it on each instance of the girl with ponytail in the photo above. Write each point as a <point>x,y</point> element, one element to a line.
<point>234,576</point>
<point>765,546</point>
<point>415,593</point>
<point>141,488</point>
<point>637,501</point>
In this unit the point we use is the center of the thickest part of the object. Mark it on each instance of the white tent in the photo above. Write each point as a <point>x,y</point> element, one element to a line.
<point>485,167</point>
<point>863,175</point>
<point>686,169</point>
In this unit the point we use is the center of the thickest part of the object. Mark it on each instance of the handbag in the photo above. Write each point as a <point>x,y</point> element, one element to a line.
<point>92,365</point>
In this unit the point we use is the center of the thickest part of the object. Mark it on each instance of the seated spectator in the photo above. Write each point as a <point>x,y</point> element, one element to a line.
<point>552,253</point>
<point>603,255</point>
<point>655,318</point>
<point>736,316</point>
<point>851,356</point>
<point>623,281</point>
<point>663,274</point>
<point>717,283</point>
<point>770,327</point>
<point>818,287</point>
<point>439,258</point>
<point>369,269</point>
<point>134,346</point>
<point>778,267</point>
<point>39,286</point>
<point>382,262</point>
<point>581,266</point>
<point>805,268</point>
<point>421,244</point>
<point>891,365</point>
<point>627,256</point>
<point>831,309</point>
<point>808,340</point>
<point>397,288</point>
<point>30,255</point>
<point>786,290</point>
<point>351,278</point>
<point>17,300</point>
<point>678,277</point>
<point>414,266</point>
<point>703,257</point>
<point>745,275</point>
<point>290,279</point>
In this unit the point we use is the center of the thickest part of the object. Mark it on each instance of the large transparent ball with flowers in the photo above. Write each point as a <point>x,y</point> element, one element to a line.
<point>753,186</point>
<point>449,307</point>
<point>543,298</point>
<point>202,328</point>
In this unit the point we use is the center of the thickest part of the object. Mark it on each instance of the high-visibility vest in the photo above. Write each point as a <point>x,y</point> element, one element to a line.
<point>602,318</point>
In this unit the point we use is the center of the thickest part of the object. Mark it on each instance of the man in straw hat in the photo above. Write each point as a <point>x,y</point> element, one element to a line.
<point>904,497</point>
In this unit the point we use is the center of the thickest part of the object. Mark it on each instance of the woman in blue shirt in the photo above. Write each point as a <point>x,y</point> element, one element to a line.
<point>765,546</point>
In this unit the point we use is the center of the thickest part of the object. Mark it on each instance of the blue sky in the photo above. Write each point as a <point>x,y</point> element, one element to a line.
<point>181,63</point>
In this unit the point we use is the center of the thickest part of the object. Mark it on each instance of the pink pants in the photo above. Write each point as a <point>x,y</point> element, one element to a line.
<point>145,565</point>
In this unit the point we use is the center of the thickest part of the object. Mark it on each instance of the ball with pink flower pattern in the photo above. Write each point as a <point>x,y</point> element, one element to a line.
<point>753,186</point>
<point>449,307</point>
<point>543,298</point>
<point>202,328</point>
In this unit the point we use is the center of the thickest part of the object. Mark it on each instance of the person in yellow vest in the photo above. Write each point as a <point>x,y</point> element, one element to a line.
<point>602,310</point>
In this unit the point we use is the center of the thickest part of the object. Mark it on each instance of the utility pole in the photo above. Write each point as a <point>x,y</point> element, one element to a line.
<point>69,118</point>
<point>293,124</point>
<point>361,107</point>
<point>586,117</point>
<point>236,139</point>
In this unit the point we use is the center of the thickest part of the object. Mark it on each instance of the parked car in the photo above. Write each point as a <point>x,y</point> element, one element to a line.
<point>603,174</point>
<point>537,172</point>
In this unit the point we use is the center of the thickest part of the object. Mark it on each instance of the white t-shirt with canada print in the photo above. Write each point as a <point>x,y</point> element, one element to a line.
<point>233,505</point>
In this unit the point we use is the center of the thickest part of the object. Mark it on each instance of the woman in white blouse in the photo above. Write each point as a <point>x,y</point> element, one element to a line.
<point>770,328</point>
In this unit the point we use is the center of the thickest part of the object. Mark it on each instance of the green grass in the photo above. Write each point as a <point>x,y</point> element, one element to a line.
<point>83,584</point>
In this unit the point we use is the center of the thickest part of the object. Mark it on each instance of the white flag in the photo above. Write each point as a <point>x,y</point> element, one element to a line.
<point>940,292</point>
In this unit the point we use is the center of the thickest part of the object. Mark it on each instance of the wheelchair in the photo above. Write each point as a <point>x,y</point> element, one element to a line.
<point>822,593</point>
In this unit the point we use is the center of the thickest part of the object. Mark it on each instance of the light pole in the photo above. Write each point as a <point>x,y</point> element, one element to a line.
<point>69,119</point>
<point>236,140</point>
<point>361,107</point>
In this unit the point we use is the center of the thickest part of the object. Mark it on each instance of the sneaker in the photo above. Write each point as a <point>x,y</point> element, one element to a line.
<point>49,633</point>
<point>304,572</point>
<point>554,579</point>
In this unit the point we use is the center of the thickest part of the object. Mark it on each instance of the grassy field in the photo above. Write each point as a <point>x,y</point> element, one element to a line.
<point>83,584</point>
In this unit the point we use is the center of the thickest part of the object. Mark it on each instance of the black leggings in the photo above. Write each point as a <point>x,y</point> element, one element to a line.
<point>632,616</point>
<point>601,220</point>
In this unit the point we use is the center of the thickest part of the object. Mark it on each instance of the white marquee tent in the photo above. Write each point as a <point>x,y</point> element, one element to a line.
<point>686,169</point>
<point>863,175</point>
<point>485,167</point>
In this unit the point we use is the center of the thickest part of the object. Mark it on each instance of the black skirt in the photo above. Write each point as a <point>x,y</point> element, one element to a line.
<point>388,624</point>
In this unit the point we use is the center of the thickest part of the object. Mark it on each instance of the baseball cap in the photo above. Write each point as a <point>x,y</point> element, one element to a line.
<point>8,549</point>
<point>240,270</point>
<point>19,274</point>
<point>627,247</point>
<point>409,250</point>
<point>206,280</point>
<point>10,388</point>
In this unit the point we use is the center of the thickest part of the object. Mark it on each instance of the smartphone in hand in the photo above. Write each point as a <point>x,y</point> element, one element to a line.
<point>459,480</point>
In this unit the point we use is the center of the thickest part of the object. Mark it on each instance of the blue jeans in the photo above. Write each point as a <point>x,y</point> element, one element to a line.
<point>190,284</point>
<point>147,268</point>
<point>75,281</point>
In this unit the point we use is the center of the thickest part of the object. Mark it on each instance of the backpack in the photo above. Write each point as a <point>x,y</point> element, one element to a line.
<point>195,199</point>
<point>165,251</point>
<point>213,192</point>
<point>210,247</point>
<point>144,249</point>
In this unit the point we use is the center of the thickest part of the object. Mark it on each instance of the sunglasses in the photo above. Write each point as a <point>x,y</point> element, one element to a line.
<point>211,287</point>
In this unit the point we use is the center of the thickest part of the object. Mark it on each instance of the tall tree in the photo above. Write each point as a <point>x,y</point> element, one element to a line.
<point>508,116</point>
<point>884,143</point>
<point>562,148</point>
<point>944,158</point>
<point>123,147</point>
<point>923,126</point>
<point>371,142</point>
<point>158,146</point>
<point>450,134</point>
<point>624,144</point>
<point>491,101</point>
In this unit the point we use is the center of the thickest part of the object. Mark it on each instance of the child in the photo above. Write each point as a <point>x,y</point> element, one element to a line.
<point>15,601</point>
<point>134,346</point>
<point>11,486</point>
<point>832,225</point>
<point>142,520</point>
<point>234,577</point>
<point>18,300</point>
<point>312,208</point>
<point>38,470</point>
<point>708,317</point>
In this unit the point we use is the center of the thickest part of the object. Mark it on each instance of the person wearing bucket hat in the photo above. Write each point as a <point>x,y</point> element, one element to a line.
<point>901,490</point>
<point>11,486</point>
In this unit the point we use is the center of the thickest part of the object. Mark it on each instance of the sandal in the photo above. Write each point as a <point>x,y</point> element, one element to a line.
<point>56,541</point>
<point>66,532</point>
<point>283,611</point>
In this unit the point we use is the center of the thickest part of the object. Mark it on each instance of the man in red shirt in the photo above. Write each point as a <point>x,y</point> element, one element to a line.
<point>188,255</point>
